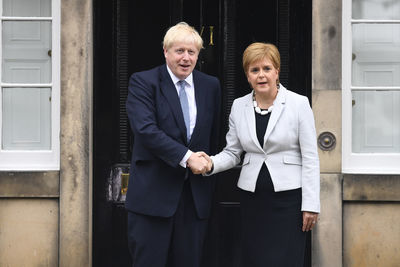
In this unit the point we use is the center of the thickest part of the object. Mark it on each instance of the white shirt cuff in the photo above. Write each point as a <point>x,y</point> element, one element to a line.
<point>185,158</point>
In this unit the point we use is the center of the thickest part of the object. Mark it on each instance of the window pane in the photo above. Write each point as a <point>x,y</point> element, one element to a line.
<point>376,9</point>
<point>376,122</point>
<point>376,55</point>
<point>27,8</point>
<point>26,52</point>
<point>26,119</point>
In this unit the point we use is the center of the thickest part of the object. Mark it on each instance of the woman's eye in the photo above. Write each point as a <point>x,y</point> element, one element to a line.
<point>254,70</point>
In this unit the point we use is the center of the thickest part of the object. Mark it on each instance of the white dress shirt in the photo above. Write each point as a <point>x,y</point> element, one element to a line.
<point>189,89</point>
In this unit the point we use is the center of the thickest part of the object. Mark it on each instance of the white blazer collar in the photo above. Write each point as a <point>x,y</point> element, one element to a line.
<point>251,119</point>
<point>279,105</point>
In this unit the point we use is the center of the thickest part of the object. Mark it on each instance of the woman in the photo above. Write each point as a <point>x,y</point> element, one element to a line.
<point>279,180</point>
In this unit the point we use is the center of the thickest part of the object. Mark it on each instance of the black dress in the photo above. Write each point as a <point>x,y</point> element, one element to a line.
<point>271,221</point>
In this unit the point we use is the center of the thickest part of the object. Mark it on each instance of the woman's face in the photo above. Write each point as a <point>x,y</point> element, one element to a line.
<point>262,76</point>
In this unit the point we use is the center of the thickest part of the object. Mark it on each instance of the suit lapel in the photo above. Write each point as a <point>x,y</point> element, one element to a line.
<point>251,120</point>
<point>168,89</point>
<point>279,105</point>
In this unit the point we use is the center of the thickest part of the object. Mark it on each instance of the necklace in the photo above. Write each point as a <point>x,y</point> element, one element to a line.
<point>258,110</point>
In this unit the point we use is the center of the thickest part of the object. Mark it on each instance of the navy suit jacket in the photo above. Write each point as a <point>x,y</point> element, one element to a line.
<point>156,118</point>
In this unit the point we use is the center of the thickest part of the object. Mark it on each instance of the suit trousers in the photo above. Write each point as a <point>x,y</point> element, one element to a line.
<point>175,241</point>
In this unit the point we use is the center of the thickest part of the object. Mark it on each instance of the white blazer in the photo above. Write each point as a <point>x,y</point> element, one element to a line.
<point>289,151</point>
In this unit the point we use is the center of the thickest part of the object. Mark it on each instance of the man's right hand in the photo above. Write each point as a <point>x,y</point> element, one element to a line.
<point>209,161</point>
<point>198,163</point>
<point>201,156</point>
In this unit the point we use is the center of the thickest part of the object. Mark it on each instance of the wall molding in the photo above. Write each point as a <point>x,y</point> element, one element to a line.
<point>357,187</point>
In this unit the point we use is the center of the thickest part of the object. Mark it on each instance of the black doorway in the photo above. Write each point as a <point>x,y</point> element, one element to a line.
<point>127,38</point>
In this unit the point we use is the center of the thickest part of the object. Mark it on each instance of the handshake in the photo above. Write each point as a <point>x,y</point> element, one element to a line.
<point>199,163</point>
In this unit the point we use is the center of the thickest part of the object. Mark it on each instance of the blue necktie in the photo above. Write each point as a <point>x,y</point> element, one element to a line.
<point>185,107</point>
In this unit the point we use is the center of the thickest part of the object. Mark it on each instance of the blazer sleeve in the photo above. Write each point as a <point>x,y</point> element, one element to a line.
<point>229,157</point>
<point>215,133</point>
<point>310,177</point>
<point>141,109</point>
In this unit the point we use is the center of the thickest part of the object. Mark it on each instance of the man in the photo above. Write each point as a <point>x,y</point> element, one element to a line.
<point>173,111</point>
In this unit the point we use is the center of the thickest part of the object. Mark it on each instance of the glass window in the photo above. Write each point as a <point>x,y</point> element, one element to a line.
<point>30,85</point>
<point>376,55</point>
<point>371,86</point>
<point>26,118</point>
<point>26,52</point>
<point>376,121</point>
<point>27,8</point>
<point>376,9</point>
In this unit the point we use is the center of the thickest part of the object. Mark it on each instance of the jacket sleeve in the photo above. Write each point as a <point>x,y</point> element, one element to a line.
<point>229,157</point>
<point>310,176</point>
<point>215,134</point>
<point>141,109</point>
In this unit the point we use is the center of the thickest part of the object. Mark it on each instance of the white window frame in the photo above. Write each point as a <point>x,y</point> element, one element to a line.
<point>363,163</point>
<point>37,160</point>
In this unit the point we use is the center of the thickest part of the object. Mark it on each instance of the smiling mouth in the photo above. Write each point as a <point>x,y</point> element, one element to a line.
<point>185,66</point>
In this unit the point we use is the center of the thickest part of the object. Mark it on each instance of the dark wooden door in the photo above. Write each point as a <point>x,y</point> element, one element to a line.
<point>128,37</point>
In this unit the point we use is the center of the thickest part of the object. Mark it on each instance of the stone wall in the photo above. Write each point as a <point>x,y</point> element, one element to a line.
<point>326,103</point>
<point>45,217</point>
<point>359,220</point>
<point>29,218</point>
<point>76,133</point>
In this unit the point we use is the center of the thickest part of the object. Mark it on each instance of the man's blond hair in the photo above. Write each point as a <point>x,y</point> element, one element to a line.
<point>182,32</point>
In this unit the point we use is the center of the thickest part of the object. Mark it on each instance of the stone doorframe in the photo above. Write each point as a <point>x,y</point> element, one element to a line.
<point>76,133</point>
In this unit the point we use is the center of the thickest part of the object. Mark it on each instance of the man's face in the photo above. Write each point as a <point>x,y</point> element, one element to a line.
<point>181,58</point>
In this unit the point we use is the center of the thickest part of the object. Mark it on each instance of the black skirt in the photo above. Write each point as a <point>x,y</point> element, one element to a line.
<point>271,226</point>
